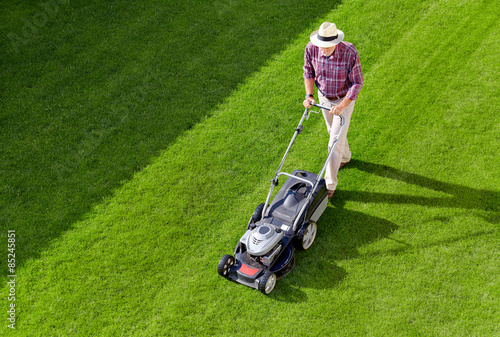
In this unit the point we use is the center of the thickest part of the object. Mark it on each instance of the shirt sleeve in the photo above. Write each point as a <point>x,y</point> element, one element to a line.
<point>355,77</point>
<point>308,67</point>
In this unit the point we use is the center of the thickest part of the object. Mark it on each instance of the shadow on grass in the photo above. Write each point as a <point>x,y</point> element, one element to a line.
<point>460,196</point>
<point>340,234</point>
<point>102,88</point>
<point>345,231</point>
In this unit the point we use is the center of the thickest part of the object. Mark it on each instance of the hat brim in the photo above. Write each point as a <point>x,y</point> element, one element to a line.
<point>326,44</point>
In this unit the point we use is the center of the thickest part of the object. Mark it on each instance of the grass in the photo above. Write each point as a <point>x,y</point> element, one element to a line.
<point>100,89</point>
<point>125,186</point>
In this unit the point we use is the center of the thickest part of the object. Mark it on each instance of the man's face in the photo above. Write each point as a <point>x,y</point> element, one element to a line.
<point>327,51</point>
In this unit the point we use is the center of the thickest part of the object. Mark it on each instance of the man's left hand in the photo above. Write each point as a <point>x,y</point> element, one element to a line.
<point>337,110</point>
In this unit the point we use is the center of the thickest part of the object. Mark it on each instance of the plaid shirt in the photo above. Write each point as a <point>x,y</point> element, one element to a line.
<point>337,75</point>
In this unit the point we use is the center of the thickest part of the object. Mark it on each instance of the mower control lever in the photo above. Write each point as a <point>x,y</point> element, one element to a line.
<point>327,108</point>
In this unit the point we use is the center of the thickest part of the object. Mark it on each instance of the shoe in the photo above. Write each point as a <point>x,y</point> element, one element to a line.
<point>330,193</point>
<point>342,165</point>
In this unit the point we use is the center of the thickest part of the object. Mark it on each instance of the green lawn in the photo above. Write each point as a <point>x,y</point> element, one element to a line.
<point>137,138</point>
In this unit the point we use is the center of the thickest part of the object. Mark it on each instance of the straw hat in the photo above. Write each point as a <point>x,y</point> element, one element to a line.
<point>327,36</point>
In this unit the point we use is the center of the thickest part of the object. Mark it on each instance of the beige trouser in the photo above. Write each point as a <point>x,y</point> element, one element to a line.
<point>341,153</point>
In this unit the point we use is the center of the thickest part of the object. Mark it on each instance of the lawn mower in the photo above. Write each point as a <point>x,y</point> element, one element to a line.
<point>266,252</point>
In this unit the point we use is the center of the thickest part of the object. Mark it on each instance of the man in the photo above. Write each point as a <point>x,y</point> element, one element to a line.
<point>333,65</point>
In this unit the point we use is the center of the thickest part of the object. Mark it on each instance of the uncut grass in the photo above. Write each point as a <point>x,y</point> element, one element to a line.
<point>407,247</point>
<point>91,91</point>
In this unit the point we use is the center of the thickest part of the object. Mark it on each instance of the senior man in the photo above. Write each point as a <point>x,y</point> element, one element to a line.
<point>333,65</point>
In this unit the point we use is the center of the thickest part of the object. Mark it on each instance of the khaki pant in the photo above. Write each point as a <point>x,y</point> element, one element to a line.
<point>341,152</point>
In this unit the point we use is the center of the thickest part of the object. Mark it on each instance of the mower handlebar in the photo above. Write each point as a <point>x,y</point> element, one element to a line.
<point>321,106</point>
<point>342,120</point>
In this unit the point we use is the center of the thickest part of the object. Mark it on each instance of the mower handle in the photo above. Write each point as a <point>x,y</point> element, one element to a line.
<point>298,130</point>
<point>327,108</point>
<point>321,106</point>
<point>297,178</point>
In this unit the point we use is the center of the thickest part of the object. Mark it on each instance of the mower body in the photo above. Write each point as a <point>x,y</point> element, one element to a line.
<point>268,246</point>
<point>266,252</point>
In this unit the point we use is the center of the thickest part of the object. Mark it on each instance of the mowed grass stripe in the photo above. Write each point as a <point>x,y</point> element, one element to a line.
<point>90,96</point>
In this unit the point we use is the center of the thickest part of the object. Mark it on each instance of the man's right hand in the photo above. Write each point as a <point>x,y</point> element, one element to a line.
<point>308,101</point>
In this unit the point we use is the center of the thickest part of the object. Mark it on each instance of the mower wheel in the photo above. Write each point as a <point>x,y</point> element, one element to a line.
<point>257,214</point>
<point>306,236</point>
<point>267,283</point>
<point>225,265</point>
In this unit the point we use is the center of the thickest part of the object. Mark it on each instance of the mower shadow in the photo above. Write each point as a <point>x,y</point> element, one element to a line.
<point>340,234</point>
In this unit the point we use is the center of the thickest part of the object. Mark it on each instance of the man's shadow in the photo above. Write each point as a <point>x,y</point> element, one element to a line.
<point>485,201</point>
<point>341,232</point>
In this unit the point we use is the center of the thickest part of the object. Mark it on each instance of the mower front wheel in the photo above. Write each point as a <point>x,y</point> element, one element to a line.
<point>267,283</point>
<point>225,265</point>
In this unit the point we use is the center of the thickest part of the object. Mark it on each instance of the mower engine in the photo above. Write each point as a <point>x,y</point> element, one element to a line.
<point>263,243</point>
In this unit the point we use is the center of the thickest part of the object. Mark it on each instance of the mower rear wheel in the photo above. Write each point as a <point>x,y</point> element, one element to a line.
<point>225,265</point>
<point>267,283</point>
<point>307,236</point>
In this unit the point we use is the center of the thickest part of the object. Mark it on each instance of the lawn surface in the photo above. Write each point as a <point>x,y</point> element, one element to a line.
<point>137,139</point>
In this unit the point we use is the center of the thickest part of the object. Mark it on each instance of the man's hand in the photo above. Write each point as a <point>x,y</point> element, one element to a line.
<point>338,109</point>
<point>308,101</point>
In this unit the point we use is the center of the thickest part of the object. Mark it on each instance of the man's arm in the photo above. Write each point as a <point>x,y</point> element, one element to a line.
<point>309,85</point>
<point>356,79</point>
<point>309,75</point>
<point>355,76</point>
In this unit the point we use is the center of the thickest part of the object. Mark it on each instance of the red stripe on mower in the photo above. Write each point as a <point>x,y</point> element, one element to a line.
<point>247,270</point>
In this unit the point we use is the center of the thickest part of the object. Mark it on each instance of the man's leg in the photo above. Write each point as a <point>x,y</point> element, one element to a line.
<point>341,152</point>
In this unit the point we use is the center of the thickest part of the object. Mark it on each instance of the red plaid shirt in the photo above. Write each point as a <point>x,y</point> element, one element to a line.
<point>337,75</point>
